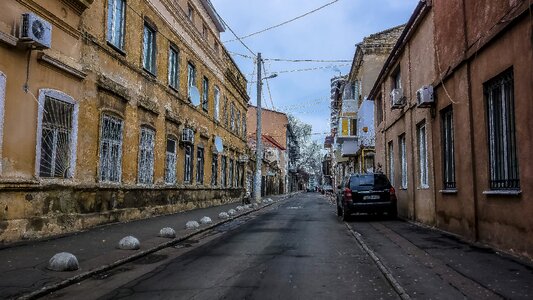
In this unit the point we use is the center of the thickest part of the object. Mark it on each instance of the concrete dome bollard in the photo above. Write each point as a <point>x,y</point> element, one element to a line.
<point>129,243</point>
<point>167,232</point>
<point>223,215</point>
<point>62,262</point>
<point>240,208</point>
<point>192,225</point>
<point>206,220</point>
<point>232,212</point>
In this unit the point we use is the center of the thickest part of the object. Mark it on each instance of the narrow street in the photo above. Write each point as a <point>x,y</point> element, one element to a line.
<point>298,249</point>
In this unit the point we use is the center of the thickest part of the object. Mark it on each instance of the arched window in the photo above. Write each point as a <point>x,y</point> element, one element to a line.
<point>57,128</point>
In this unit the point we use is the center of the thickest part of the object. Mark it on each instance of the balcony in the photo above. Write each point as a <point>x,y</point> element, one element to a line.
<point>349,108</point>
<point>347,129</point>
<point>349,148</point>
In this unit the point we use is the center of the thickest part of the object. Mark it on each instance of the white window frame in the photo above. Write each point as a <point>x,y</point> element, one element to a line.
<point>111,143</point>
<point>171,159</point>
<point>149,49</point>
<point>391,162</point>
<point>55,94</point>
<point>145,166</point>
<point>3,82</point>
<point>112,6</point>
<point>403,162</point>
<point>423,156</point>
<point>216,94</point>
<point>173,67</point>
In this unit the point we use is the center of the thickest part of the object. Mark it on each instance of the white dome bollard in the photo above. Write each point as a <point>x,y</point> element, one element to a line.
<point>62,262</point>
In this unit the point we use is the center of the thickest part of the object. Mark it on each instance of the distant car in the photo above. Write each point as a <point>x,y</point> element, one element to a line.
<point>327,189</point>
<point>366,193</point>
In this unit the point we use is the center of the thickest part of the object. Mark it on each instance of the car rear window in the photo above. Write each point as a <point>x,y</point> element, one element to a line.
<point>369,181</point>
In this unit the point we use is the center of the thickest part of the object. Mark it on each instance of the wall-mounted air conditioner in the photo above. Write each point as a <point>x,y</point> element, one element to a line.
<point>35,31</point>
<point>397,98</point>
<point>187,136</point>
<point>424,96</point>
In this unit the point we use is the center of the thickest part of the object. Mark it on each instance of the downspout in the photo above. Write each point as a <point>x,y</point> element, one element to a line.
<point>413,146</point>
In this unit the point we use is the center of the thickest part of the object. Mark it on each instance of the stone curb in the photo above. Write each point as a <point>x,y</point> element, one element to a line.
<point>72,280</point>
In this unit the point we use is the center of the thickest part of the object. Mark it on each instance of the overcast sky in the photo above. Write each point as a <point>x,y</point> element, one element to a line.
<point>328,34</point>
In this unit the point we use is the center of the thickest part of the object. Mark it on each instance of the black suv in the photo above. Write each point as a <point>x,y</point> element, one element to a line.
<point>367,193</point>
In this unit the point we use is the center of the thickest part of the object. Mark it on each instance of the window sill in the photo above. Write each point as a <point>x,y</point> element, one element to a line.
<point>503,193</point>
<point>449,191</point>
<point>148,72</point>
<point>122,52</point>
<point>423,188</point>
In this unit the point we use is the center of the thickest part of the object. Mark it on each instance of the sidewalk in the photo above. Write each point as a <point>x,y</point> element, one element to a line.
<point>23,267</point>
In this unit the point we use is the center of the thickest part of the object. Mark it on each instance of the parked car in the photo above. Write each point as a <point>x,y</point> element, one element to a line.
<point>327,189</point>
<point>366,193</point>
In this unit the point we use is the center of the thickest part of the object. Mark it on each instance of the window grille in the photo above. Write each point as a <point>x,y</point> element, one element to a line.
<point>173,68</point>
<point>217,103</point>
<point>200,165</point>
<point>403,161</point>
<point>503,162</point>
<point>146,156</point>
<point>188,164</point>
<point>223,175</point>
<point>391,162</point>
<point>422,155</point>
<point>115,22</point>
<point>149,49</point>
<point>111,149</point>
<point>205,95</point>
<point>448,156</point>
<point>56,138</point>
<point>170,161</point>
<point>214,170</point>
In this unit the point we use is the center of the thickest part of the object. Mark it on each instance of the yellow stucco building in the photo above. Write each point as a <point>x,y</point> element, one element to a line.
<point>112,110</point>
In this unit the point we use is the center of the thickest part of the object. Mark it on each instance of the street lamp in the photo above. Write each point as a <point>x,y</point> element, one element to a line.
<point>259,145</point>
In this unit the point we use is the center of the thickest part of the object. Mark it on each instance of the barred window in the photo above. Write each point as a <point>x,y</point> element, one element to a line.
<point>170,161</point>
<point>173,68</point>
<point>188,164</point>
<point>115,22</point>
<point>223,180</point>
<point>56,147</point>
<point>214,170</point>
<point>146,156</point>
<point>403,161</point>
<point>200,165</point>
<point>503,162</point>
<point>111,149</point>
<point>448,156</point>
<point>149,49</point>
<point>422,155</point>
<point>205,95</point>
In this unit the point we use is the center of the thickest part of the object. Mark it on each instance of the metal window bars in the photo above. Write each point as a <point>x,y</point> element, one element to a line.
<point>111,149</point>
<point>146,156</point>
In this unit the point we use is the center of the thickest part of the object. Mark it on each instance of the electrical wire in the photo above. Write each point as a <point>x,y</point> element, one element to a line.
<point>283,23</point>
<point>310,69</point>
<point>295,60</point>
<point>268,85</point>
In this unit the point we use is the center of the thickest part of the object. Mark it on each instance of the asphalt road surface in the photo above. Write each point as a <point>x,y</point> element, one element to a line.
<point>299,249</point>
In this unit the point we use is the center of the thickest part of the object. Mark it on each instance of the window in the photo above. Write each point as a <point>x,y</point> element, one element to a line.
<point>205,95</point>
<point>56,145</point>
<point>2,100</point>
<point>188,164</point>
<point>391,162</point>
<point>214,169</point>
<point>223,171</point>
<point>232,116</point>
<point>217,48</point>
<point>200,165</point>
<point>397,79</point>
<point>146,156</point>
<point>422,155</point>
<point>243,125</point>
<point>191,78</point>
<point>217,103</point>
<point>204,31</point>
<point>238,123</point>
<point>230,179</point>
<point>173,68</point>
<point>379,108</point>
<point>170,161</point>
<point>149,49</point>
<point>115,23</point>
<point>226,112</point>
<point>499,92</point>
<point>111,149</point>
<point>190,13</point>
<point>403,161</point>
<point>448,157</point>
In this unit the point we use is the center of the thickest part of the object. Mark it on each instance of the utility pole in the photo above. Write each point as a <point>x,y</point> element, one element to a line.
<point>259,144</point>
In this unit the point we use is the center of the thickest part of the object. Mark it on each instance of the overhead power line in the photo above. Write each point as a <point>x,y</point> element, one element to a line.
<point>283,23</point>
<point>310,69</point>
<point>294,60</point>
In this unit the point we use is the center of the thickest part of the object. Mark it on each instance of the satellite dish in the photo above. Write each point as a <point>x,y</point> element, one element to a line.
<point>218,144</point>
<point>194,95</point>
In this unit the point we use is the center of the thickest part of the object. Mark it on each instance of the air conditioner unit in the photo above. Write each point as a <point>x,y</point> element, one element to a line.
<point>397,98</point>
<point>424,96</point>
<point>187,136</point>
<point>35,31</point>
